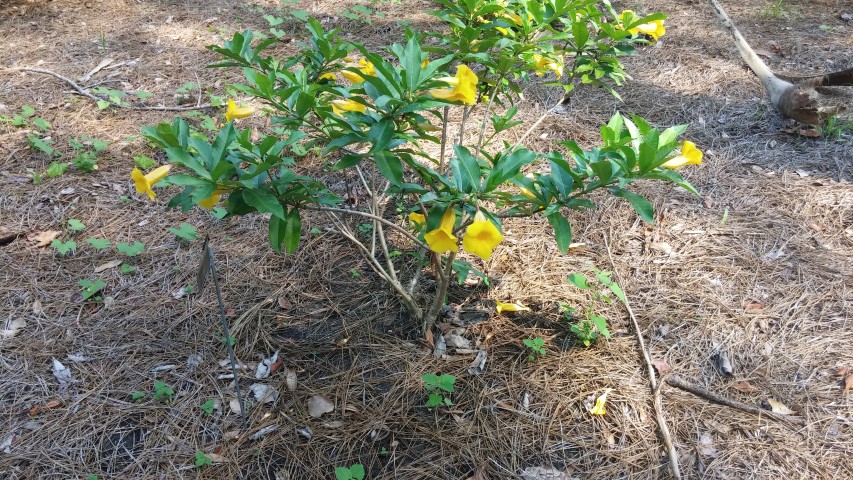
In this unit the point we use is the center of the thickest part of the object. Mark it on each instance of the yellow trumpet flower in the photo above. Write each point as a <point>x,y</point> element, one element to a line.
<point>464,87</point>
<point>442,240</point>
<point>148,180</point>
<point>233,111</point>
<point>481,237</point>
<point>690,155</point>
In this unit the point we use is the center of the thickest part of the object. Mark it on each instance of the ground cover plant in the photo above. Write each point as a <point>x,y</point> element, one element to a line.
<point>114,360</point>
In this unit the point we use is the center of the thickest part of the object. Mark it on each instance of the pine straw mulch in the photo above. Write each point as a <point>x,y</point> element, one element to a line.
<point>760,266</point>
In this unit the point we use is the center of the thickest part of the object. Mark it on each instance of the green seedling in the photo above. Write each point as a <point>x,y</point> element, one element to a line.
<point>131,250</point>
<point>438,386</point>
<point>353,472</point>
<point>64,247</point>
<point>98,243</point>
<point>201,459</point>
<point>56,169</point>
<point>127,269</point>
<point>91,288</point>
<point>162,392</point>
<point>137,396</point>
<point>184,231</point>
<point>536,346</point>
<point>207,407</point>
<point>590,326</point>
<point>354,273</point>
<point>75,225</point>
<point>20,119</point>
<point>143,162</point>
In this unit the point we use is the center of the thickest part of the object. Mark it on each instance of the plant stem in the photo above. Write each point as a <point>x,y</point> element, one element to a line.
<point>438,300</point>
<point>406,233</point>
<point>486,116</point>
<point>443,140</point>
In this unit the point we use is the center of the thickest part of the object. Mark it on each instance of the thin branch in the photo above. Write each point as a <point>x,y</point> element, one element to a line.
<point>85,93</point>
<point>538,122</point>
<point>486,117</point>
<point>680,383</point>
<point>443,140</point>
<point>438,300</point>
<point>664,430</point>
<point>406,233</point>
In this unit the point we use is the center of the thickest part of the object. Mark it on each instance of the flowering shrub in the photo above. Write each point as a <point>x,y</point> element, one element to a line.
<point>385,117</point>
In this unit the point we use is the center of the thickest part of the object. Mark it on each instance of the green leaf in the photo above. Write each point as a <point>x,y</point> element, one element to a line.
<point>343,473</point>
<point>137,395</point>
<point>390,166</point>
<point>143,162</point>
<point>75,225</point>
<point>185,231</point>
<point>466,169</point>
<point>127,269</point>
<point>445,382</point>
<point>98,243</point>
<point>207,406</point>
<point>640,204</point>
<point>64,247</point>
<point>103,104</point>
<point>91,287</point>
<point>41,123</point>
<point>201,459</point>
<point>578,280</point>
<point>292,229</point>
<point>617,290</point>
<point>219,213</point>
<point>562,231</point>
<point>131,250</point>
<point>434,400</point>
<point>56,169</point>
<point>277,228</point>
<point>264,201</point>
<point>508,167</point>
<point>357,471</point>
<point>600,324</point>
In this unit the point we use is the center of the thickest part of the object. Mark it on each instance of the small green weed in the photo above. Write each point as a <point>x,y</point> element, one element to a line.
<point>185,231</point>
<point>438,386</point>
<point>75,225</point>
<point>131,250</point>
<point>162,392</point>
<point>208,406</point>
<point>201,459</point>
<point>56,169</point>
<point>137,396</point>
<point>353,472</point>
<point>536,347</point>
<point>98,243</point>
<point>127,269</point>
<point>64,247</point>
<point>91,288</point>
<point>590,326</point>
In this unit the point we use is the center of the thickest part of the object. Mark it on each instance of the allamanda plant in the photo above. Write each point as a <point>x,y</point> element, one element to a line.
<point>382,117</point>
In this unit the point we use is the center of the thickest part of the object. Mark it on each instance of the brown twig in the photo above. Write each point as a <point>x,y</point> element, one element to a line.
<point>699,391</point>
<point>87,94</point>
<point>664,430</point>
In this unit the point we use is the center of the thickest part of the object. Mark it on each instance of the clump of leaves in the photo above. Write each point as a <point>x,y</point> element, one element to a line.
<point>353,472</point>
<point>185,231</point>
<point>162,392</point>
<point>98,243</point>
<point>536,347</point>
<point>44,145</point>
<point>56,169</point>
<point>589,325</point>
<point>75,225</point>
<point>201,459</point>
<point>208,406</point>
<point>143,162</point>
<point>64,247</point>
<point>137,396</point>
<point>91,288</point>
<point>438,386</point>
<point>130,249</point>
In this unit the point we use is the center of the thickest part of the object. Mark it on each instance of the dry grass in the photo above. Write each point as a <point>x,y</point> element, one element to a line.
<point>771,283</point>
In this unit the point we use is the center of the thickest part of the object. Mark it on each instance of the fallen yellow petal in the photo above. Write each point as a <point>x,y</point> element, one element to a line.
<point>501,307</point>
<point>598,408</point>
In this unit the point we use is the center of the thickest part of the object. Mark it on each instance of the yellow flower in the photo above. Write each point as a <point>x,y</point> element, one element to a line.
<point>527,193</point>
<point>543,64</point>
<point>234,111</point>
<point>145,182</point>
<point>599,409</point>
<point>654,29</point>
<point>417,218</point>
<point>363,66</point>
<point>464,87</point>
<point>212,200</point>
<point>481,237</point>
<point>328,76</point>
<point>425,62</point>
<point>510,307</point>
<point>346,105</point>
<point>441,240</point>
<point>690,155</point>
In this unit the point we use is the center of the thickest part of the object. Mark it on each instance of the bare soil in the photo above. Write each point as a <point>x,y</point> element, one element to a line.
<point>760,266</point>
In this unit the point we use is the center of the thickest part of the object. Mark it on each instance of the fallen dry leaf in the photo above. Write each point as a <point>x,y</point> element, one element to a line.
<point>107,266</point>
<point>13,327</point>
<point>744,386</point>
<point>38,309</point>
<point>216,458</point>
<point>848,382</point>
<point>661,247</point>
<point>705,445</point>
<point>318,405</point>
<point>62,374</point>
<point>291,380</point>
<point>265,368</point>
<point>479,364</point>
<point>661,365</point>
<point>778,407</point>
<point>234,405</point>
<point>44,406</point>
<point>264,393</point>
<point>43,239</point>
<point>283,303</point>
<point>754,307</point>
